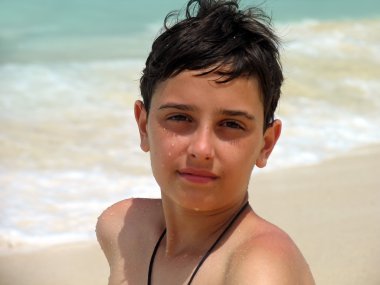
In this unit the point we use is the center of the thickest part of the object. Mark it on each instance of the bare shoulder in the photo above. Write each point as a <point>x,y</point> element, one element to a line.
<point>126,221</point>
<point>269,257</point>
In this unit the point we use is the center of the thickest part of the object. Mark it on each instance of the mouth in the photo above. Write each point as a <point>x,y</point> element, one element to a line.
<point>197,176</point>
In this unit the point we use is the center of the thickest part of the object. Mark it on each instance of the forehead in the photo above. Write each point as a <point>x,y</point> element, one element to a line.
<point>211,87</point>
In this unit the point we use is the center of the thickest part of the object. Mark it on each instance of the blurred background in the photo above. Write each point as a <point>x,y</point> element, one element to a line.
<point>69,74</point>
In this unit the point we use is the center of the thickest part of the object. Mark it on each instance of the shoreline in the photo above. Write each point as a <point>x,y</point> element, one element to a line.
<point>330,209</point>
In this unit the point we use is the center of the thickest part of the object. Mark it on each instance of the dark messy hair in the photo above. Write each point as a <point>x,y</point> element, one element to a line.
<point>215,36</point>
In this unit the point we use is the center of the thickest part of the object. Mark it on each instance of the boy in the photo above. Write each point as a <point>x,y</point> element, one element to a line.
<point>210,88</point>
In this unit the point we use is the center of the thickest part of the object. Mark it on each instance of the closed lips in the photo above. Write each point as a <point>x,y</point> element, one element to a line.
<point>197,173</point>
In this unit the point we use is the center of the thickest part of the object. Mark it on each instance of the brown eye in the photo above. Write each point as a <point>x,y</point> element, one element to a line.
<point>179,118</point>
<point>232,125</point>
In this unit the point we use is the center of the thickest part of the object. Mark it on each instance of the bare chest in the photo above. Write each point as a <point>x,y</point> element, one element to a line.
<point>178,272</point>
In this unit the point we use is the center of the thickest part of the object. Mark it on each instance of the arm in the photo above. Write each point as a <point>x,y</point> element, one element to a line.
<point>123,232</point>
<point>270,260</point>
<point>109,229</point>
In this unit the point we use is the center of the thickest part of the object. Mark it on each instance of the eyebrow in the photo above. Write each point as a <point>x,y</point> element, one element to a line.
<point>181,107</point>
<point>237,113</point>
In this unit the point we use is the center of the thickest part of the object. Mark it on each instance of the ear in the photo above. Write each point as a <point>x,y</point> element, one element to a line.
<point>142,120</point>
<point>271,135</point>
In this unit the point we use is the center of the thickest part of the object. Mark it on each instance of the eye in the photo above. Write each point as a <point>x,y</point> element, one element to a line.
<point>232,125</point>
<point>179,118</point>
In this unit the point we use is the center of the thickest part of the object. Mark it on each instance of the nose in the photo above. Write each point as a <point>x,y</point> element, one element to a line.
<point>202,144</point>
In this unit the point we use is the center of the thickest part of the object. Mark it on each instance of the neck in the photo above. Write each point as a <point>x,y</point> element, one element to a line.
<point>191,232</point>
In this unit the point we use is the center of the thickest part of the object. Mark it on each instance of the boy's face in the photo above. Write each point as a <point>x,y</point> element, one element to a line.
<point>205,138</point>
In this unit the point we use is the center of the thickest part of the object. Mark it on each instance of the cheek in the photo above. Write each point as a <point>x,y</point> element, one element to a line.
<point>165,146</point>
<point>165,157</point>
<point>242,154</point>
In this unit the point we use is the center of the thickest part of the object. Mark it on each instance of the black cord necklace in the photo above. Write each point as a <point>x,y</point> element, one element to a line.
<point>204,257</point>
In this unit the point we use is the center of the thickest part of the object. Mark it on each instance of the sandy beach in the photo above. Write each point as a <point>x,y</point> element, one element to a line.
<point>331,210</point>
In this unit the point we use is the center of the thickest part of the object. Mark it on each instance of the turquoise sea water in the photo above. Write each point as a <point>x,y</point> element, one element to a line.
<point>41,30</point>
<point>69,74</point>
